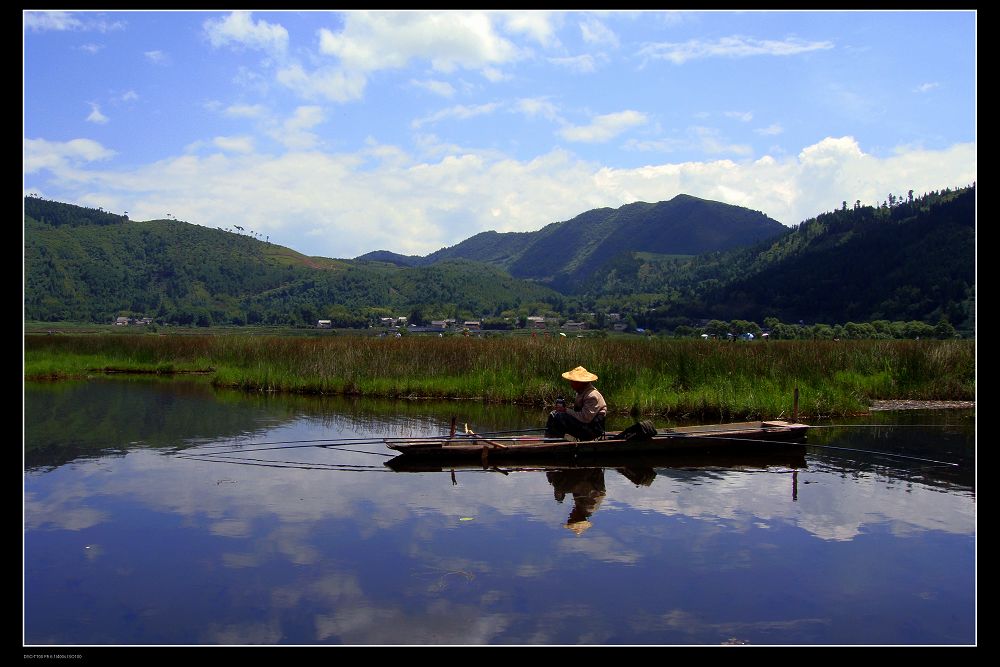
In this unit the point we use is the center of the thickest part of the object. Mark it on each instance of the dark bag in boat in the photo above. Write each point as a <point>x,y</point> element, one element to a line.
<point>643,430</point>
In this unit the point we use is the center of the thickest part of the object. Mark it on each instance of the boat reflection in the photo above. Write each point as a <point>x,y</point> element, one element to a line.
<point>583,481</point>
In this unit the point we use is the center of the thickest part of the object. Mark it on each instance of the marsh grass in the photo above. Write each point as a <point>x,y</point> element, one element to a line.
<point>667,378</point>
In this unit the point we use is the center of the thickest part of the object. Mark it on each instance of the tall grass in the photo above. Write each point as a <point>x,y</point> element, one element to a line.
<point>666,378</point>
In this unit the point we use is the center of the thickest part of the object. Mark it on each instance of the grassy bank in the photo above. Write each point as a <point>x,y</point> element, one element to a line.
<point>665,378</point>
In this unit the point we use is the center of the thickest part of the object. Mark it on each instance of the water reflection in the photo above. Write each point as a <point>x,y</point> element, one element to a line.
<point>586,486</point>
<point>197,534</point>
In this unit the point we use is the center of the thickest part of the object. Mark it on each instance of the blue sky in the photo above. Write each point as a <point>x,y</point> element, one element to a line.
<point>338,133</point>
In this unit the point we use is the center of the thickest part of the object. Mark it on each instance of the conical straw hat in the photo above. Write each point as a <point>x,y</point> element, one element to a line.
<point>579,374</point>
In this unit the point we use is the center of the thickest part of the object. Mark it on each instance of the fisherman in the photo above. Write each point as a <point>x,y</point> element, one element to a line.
<point>585,421</point>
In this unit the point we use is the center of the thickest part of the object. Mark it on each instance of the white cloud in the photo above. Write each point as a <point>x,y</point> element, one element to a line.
<point>604,128</point>
<point>240,30</point>
<point>538,25</point>
<point>537,106</point>
<point>91,48</point>
<point>729,47</point>
<point>157,57</point>
<point>442,88</point>
<point>460,112</point>
<point>245,111</point>
<point>373,41</point>
<point>743,116</point>
<point>657,145</point>
<point>294,132</point>
<point>582,63</point>
<point>95,115</point>
<point>595,32</point>
<point>129,96</point>
<point>38,21</point>
<point>771,130</point>
<point>41,154</point>
<point>234,144</point>
<point>926,87</point>
<point>328,83</point>
<point>310,200</point>
<point>710,142</point>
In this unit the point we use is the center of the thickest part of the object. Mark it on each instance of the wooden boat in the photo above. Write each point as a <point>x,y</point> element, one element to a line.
<point>721,440</point>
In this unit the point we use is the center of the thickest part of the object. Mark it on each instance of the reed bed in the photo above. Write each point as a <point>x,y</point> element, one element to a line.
<point>678,379</point>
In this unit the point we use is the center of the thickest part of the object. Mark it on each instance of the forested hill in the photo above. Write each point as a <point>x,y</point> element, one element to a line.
<point>88,265</point>
<point>913,259</point>
<point>566,254</point>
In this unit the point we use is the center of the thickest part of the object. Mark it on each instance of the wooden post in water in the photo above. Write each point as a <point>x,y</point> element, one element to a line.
<point>795,407</point>
<point>451,434</point>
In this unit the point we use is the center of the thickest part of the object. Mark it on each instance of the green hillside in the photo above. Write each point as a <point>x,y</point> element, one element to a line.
<point>565,255</point>
<point>915,260</point>
<point>83,264</point>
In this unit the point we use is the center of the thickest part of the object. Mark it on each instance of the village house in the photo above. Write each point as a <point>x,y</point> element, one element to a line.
<point>536,322</point>
<point>324,324</point>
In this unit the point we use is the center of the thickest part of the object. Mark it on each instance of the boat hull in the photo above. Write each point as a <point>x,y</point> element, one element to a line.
<point>701,443</point>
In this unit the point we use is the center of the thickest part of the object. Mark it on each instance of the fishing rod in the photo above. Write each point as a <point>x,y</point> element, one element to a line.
<point>336,442</point>
<point>291,464</point>
<point>848,449</point>
<point>883,425</point>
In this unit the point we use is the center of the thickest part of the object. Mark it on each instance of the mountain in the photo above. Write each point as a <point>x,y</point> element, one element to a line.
<point>564,255</point>
<point>909,260</point>
<point>913,260</point>
<point>88,265</point>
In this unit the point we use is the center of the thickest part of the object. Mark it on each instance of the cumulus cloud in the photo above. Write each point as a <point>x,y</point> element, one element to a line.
<point>294,132</point>
<point>95,115</point>
<point>926,87</point>
<point>41,154</point>
<point>728,47</point>
<point>38,21</point>
<point>329,83</point>
<point>583,63</point>
<point>234,144</point>
<point>442,88</point>
<point>538,25</point>
<point>537,106</point>
<point>595,32</point>
<point>373,41</point>
<point>771,130</point>
<point>310,200</point>
<point>604,128</point>
<point>157,57</point>
<point>460,112</point>
<point>241,31</point>
<point>711,142</point>
<point>245,111</point>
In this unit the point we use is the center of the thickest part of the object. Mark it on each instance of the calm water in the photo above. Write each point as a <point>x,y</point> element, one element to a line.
<point>134,534</point>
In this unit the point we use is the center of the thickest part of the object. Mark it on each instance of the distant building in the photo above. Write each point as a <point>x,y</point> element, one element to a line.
<point>536,322</point>
<point>472,325</point>
<point>122,322</point>
<point>324,324</point>
<point>575,326</point>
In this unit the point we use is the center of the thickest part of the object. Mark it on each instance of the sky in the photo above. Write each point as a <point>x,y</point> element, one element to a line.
<point>340,133</point>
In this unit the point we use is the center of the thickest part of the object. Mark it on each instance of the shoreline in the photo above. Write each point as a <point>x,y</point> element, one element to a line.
<point>906,404</point>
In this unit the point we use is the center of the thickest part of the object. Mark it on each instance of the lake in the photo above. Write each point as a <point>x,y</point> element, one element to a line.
<point>156,513</point>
